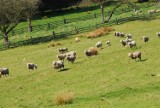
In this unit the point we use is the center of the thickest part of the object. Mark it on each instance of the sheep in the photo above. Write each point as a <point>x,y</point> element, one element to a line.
<point>135,55</point>
<point>0,75</point>
<point>71,53</point>
<point>145,39</point>
<point>119,34</point>
<point>108,43</point>
<point>71,58</point>
<point>91,51</point>
<point>4,71</point>
<point>122,34</point>
<point>124,42</point>
<point>129,36</point>
<point>98,44</point>
<point>132,44</point>
<point>115,33</point>
<point>77,39</point>
<point>61,56</point>
<point>58,64</point>
<point>158,34</point>
<point>62,50</point>
<point>32,66</point>
<point>158,10</point>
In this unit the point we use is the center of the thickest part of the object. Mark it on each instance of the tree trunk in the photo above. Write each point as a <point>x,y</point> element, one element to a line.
<point>6,40</point>
<point>102,13</point>
<point>29,24</point>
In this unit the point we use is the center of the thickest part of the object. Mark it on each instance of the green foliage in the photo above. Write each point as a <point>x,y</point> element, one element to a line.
<point>110,79</point>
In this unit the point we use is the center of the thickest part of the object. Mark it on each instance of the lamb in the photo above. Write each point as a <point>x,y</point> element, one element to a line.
<point>98,44</point>
<point>62,50</point>
<point>58,64</point>
<point>61,56</point>
<point>77,39</point>
<point>4,71</point>
<point>145,39</point>
<point>32,66</point>
<point>132,44</point>
<point>158,34</point>
<point>91,51</point>
<point>135,55</point>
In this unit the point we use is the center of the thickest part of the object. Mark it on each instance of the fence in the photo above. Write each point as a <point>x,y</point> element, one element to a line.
<point>54,24</point>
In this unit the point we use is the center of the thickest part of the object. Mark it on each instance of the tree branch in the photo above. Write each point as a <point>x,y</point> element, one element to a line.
<point>11,28</point>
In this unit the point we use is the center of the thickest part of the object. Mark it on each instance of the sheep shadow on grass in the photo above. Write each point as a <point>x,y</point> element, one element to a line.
<point>63,70</point>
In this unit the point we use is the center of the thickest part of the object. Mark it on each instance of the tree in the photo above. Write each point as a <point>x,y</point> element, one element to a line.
<point>11,13</point>
<point>101,4</point>
<point>30,8</point>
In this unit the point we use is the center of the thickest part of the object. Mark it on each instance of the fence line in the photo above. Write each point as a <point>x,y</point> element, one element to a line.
<point>54,24</point>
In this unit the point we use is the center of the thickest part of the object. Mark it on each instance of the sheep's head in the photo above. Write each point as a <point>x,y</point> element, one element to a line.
<point>130,54</point>
<point>35,66</point>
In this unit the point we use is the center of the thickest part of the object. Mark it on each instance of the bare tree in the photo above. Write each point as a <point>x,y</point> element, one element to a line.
<point>11,13</point>
<point>30,8</point>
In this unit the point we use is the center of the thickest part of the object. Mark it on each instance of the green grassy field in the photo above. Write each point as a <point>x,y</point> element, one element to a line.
<point>109,80</point>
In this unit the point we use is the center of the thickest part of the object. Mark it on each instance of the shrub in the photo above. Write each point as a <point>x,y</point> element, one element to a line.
<point>64,98</point>
<point>100,32</point>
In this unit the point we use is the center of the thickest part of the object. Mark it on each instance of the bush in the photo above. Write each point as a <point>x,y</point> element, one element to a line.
<point>64,98</point>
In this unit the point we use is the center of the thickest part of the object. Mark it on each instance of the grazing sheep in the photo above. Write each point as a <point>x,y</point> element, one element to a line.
<point>135,55</point>
<point>77,39</point>
<point>108,43</point>
<point>91,51</point>
<point>122,34</point>
<point>71,58</point>
<point>62,50</point>
<point>158,34</point>
<point>58,64</point>
<point>71,53</point>
<point>61,56</point>
<point>132,44</point>
<point>98,44</point>
<point>4,71</point>
<point>124,42</point>
<point>129,36</point>
<point>145,39</point>
<point>115,33</point>
<point>32,66</point>
<point>119,34</point>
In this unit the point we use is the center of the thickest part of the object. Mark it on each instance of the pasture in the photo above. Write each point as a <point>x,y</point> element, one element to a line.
<point>109,80</point>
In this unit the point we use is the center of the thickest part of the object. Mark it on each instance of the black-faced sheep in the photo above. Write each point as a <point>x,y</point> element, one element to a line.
<point>124,42</point>
<point>91,51</point>
<point>62,50</point>
<point>58,64</point>
<point>145,39</point>
<point>135,55</point>
<point>32,66</point>
<point>132,44</point>
<point>98,44</point>
<point>4,71</point>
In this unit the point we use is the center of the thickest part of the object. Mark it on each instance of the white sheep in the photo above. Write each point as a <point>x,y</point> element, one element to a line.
<point>132,44</point>
<point>98,44</point>
<point>158,34</point>
<point>129,36</point>
<point>145,39</point>
<point>91,51</point>
<point>58,64</point>
<point>32,66</point>
<point>4,71</point>
<point>108,43</point>
<point>134,55</point>
<point>71,56</point>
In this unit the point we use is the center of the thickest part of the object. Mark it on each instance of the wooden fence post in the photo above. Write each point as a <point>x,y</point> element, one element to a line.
<point>53,35</point>
<point>116,21</point>
<point>76,30</point>
<point>49,26</point>
<point>94,14</point>
<point>64,20</point>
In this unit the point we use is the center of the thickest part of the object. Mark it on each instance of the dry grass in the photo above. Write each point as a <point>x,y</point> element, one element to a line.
<point>64,98</point>
<point>52,44</point>
<point>99,32</point>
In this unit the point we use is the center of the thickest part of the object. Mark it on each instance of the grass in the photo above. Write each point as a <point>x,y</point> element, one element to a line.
<point>110,79</point>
